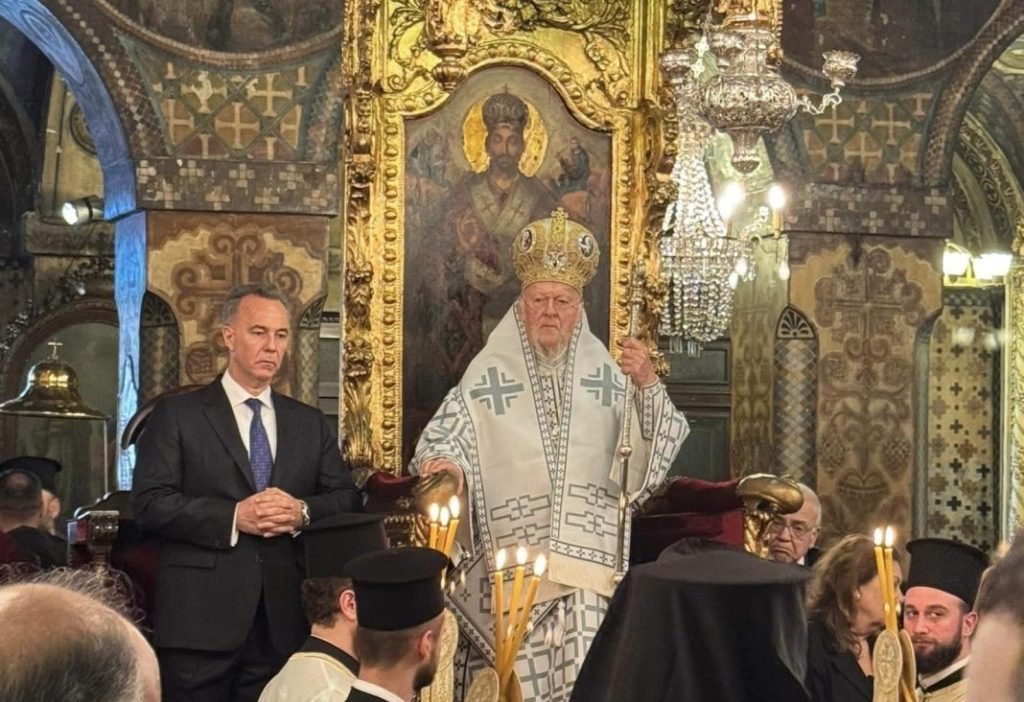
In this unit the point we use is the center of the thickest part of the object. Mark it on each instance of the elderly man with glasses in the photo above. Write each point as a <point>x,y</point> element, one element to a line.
<point>793,536</point>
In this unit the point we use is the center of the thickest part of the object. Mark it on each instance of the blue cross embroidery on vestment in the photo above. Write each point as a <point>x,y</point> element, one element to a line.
<point>603,385</point>
<point>495,392</point>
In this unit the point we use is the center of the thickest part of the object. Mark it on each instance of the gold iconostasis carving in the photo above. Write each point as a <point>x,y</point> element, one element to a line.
<point>465,121</point>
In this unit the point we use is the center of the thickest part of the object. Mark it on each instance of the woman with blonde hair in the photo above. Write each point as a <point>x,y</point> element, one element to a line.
<point>844,603</point>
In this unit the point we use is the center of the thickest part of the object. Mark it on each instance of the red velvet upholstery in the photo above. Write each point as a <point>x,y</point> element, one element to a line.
<point>683,508</point>
<point>686,507</point>
<point>384,490</point>
<point>692,495</point>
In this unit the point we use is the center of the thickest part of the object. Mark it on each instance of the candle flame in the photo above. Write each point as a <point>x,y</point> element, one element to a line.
<point>540,565</point>
<point>434,509</point>
<point>453,507</point>
<point>499,559</point>
<point>890,536</point>
<point>445,517</point>
<point>878,536</point>
<point>521,555</point>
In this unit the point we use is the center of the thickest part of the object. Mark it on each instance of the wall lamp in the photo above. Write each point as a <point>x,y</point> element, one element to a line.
<point>85,209</point>
<point>961,269</point>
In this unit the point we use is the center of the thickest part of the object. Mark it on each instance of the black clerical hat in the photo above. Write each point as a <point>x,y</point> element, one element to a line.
<point>946,565</point>
<point>45,469</point>
<point>398,589</point>
<point>332,542</point>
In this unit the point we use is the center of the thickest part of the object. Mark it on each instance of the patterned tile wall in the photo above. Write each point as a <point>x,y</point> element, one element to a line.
<point>185,103</point>
<point>218,113</point>
<point>963,420</point>
<point>159,348</point>
<point>867,140</point>
<point>866,302</point>
<point>306,351</point>
<point>895,211</point>
<point>15,289</point>
<point>796,393</point>
<point>232,186</point>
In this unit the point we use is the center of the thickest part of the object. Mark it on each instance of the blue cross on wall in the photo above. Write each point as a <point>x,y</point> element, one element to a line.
<point>496,393</point>
<point>603,385</point>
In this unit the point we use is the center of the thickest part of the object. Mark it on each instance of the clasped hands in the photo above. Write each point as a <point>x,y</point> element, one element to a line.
<point>269,513</point>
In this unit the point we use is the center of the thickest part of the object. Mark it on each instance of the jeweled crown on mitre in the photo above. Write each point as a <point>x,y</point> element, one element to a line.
<point>555,250</point>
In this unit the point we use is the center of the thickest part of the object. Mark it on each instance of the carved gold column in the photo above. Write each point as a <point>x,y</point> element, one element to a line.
<point>405,61</point>
<point>1012,469</point>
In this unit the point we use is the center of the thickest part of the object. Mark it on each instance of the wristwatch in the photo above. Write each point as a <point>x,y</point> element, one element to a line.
<point>304,511</point>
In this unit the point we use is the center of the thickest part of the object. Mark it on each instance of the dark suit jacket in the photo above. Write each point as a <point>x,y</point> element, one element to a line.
<point>833,675</point>
<point>191,471</point>
<point>50,551</point>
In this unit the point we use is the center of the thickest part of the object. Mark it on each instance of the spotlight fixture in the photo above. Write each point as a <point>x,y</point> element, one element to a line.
<point>85,209</point>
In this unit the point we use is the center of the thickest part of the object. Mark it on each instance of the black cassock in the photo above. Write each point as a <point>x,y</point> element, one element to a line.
<point>705,623</point>
<point>360,696</point>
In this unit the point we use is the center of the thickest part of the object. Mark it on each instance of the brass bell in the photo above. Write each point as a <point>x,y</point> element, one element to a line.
<point>51,391</point>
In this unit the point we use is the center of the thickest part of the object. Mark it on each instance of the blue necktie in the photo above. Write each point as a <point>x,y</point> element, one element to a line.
<point>260,459</point>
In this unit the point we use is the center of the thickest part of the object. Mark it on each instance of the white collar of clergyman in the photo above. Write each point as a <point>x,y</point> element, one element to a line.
<point>376,690</point>
<point>237,394</point>
<point>929,680</point>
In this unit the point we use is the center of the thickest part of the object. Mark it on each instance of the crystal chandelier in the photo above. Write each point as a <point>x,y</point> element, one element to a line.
<point>698,257</point>
<point>748,98</point>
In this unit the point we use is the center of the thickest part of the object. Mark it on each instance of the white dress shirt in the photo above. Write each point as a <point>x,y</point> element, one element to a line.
<point>237,395</point>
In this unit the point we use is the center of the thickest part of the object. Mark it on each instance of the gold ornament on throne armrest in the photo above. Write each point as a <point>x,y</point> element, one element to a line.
<point>437,488</point>
<point>765,497</point>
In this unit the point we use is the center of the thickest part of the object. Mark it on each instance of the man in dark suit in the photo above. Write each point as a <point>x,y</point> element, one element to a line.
<point>226,475</point>
<point>21,505</point>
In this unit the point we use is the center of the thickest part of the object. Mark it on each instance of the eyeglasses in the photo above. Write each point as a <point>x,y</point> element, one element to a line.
<point>798,529</point>
<point>561,303</point>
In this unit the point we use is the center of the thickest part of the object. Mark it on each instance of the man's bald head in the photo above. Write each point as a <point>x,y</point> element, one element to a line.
<point>62,642</point>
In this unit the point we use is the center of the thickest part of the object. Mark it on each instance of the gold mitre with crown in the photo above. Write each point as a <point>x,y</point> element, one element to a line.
<point>555,250</point>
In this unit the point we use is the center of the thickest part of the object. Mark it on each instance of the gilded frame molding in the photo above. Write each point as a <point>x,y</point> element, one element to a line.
<point>1011,486</point>
<point>601,58</point>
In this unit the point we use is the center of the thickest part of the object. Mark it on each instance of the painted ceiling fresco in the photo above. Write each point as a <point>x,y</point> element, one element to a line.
<point>893,37</point>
